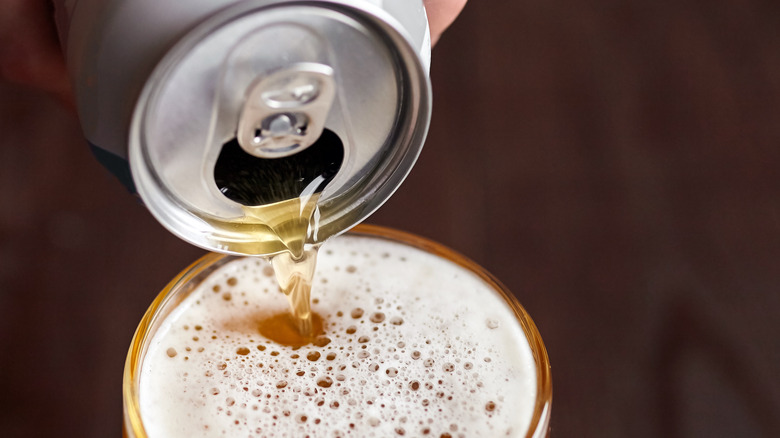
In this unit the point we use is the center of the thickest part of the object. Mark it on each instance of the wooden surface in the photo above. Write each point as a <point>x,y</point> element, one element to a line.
<point>616,164</point>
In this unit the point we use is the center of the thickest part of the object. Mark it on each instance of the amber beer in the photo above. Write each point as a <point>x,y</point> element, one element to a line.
<point>409,339</point>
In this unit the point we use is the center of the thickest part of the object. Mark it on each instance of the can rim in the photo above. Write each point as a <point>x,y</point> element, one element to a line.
<point>177,217</point>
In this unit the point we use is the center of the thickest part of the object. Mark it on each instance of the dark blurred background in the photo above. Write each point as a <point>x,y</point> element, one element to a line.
<point>616,164</point>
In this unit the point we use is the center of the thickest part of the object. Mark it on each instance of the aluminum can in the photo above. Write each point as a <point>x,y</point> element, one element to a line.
<point>161,85</point>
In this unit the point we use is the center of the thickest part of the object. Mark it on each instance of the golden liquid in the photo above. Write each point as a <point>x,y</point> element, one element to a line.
<point>295,276</point>
<point>288,231</point>
<point>285,226</point>
<point>281,217</point>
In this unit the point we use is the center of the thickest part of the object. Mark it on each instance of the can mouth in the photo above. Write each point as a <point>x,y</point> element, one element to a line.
<point>253,181</point>
<point>185,122</point>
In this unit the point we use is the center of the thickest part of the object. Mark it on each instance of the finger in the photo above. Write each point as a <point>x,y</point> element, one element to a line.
<point>30,53</point>
<point>441,14</point>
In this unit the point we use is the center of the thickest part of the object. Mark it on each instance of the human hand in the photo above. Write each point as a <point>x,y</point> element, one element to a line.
<point>441,14</point>
<point>30,52</point>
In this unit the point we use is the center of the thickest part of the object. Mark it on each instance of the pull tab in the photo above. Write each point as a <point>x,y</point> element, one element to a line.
<point>285,112</point>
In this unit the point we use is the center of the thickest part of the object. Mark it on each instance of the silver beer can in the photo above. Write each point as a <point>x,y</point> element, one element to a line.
<point>162,86</point>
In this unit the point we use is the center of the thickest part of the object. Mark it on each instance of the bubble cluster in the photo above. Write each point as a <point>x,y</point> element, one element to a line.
<point>402,353</point>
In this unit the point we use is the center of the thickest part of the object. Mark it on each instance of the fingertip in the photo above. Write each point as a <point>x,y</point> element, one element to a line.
<point>441,14</point>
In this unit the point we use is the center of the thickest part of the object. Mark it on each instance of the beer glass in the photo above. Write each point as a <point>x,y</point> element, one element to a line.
<point>442,368</point>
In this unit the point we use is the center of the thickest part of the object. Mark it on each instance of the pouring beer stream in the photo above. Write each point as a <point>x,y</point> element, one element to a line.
<point>260,127</point>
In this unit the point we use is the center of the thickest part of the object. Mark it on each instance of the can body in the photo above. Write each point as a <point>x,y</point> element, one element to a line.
<point>117,49</point>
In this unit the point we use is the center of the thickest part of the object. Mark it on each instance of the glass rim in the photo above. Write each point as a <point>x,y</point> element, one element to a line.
<point>540,419</point>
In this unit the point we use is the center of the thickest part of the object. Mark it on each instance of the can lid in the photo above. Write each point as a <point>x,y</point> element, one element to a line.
<point>201,92</point>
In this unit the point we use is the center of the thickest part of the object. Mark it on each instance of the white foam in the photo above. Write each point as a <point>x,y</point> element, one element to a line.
<point>458,363</point>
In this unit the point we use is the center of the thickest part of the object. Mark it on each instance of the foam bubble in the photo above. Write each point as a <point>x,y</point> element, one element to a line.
<point>381,367</point>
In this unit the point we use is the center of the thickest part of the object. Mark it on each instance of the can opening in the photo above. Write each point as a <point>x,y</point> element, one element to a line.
<point>253,181</point>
